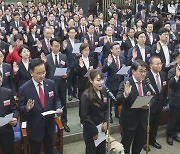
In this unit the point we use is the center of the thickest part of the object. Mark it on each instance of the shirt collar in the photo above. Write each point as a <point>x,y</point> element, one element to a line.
<point>154,74</point>
<point>140,47</point>
<point>36,83</point>
<point>136,81</point>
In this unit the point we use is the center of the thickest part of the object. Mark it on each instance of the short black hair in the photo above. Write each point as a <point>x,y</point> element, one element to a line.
<point>136,35</point>
<point>135,65</point>
<point>57,39</point>
<point>153,57</point>
<point>35,62</point>
<point>18,37</point>
<point>16,14</point>
<point>163,30</point>
<point>113,44</point>
<point>21,49</point>
<point>91,24</point>
<point>69,29</point>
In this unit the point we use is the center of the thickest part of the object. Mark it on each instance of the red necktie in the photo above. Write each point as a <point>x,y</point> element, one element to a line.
<point>139,89</point>
<point>48,45</point>
<point>117,63</point>
<point>41,95</point>
<point>92,42</point>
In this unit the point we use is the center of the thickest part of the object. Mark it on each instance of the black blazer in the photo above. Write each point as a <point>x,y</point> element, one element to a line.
<point>160,98</point>
<point>155,39</point>
<point>130,118</point>
<point>139,56</point>
<point>7,106</point>
<point>93,113</point>
<point>44,47</point>
<point>51,67</point>
<point>81,71</point>
<point>113,79</point>
<point>22,75</point>
<point>174,85</point>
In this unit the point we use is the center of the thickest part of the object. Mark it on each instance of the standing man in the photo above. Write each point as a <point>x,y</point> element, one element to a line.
<point>35,97</point>
<point>133,121</point>
<point>7,106</point>
<point>112,65</point>
<point>58,60</point>
<point>158,81</point>
<point>173,125</point>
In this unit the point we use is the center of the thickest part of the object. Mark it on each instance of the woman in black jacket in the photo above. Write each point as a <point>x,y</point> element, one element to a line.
<point>94,110</point>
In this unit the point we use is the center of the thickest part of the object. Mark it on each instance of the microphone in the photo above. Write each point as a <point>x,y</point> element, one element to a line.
<point>150,86</point>
<point>110,94</point>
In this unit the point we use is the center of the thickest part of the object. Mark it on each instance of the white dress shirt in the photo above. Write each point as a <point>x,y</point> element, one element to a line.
<point>166,53</point>
<point>86,61</point>
<point>136,83</point>
<point>142,51</point>
<point>155,77</point>
<point>26,64</point>
<point>36,84</point>
<point>53,56</point>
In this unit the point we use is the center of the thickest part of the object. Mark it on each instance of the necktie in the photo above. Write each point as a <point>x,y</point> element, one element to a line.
<point>110,41</point>
<point>48,45</point>
<point>41,95</point>
<point>92,42</point>
<point>17,25</point>
<point>139,89</point>
<point>124,30</point>
<point>117,63</point>
<point>150,38</point>
<point>56,61</point>
<point>97,31</point>
<point>84,30</point>
<point>158,83</point>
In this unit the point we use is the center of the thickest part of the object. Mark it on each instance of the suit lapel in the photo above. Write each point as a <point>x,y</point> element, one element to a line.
<point>46,95</point>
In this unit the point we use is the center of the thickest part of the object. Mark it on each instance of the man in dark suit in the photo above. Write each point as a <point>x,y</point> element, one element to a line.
<point>97,27</point>
<point>7,74</point>
<point>97,9</point>
<point>140,51</point>
<point>93,41</point>
<point>128,42</point>
<point>68,46</point>
<point>123,30</point>
<point>162,49</point>
<point>106,43</point>
<point>141,15</point>
<point>17,23</point>
<point>7,106</point>
<point>8,19</point>
<point>58,60</point>
<point>158,81</point>
<point>112,65</point>
<point>133,120</point>
<point>37,96</point>
<point>151,38</point>
<point>173,125</point>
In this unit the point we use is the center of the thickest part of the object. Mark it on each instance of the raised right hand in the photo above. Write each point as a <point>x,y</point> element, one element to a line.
<point>15,67</point>
<point>158,46</point>
<point>134,54</point>
<point>11,49</point>
<point>64,44</point>
<point>177,72</point>
<point>110,59</point>
<point>127,88</point>
<point>29,105</point>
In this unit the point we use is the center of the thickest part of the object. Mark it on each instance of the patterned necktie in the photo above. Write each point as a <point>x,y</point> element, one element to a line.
<point>56,61</point>
<point>139,89</point>
<point>158,83</point>
<point>48,45</point>
<point>41,95</point>
<point>117,63</point>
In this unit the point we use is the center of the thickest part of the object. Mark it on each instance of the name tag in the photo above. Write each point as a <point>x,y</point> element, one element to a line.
<point>164,83</point>
<point>51,93</point>
<point>105,99</point>
<point>96,43</point>
<point>7,102</point>
<point>62,62</point>
<point>7,74</point>
<point>148,55</point>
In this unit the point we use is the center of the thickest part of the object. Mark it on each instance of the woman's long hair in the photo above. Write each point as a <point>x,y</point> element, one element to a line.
<point>90,92</point>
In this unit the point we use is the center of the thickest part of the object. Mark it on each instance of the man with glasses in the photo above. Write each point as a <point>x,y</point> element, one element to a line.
<point>158,81</point>
<point>140,51</point>
<point>133,121</point>
<point>35,97</point>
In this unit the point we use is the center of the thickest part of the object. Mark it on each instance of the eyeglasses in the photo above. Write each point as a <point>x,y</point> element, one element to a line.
<point>142,71</point>
<point>41,73</point>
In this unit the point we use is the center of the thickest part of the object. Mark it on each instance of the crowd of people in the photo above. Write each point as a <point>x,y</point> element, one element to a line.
<point>35,39</point>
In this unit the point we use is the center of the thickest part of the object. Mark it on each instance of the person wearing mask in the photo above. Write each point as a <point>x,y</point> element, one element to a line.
<point>94,112</point>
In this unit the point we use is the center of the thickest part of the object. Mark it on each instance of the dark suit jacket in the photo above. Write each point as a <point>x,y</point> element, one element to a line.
<point>44,47</point>
<point>51,67</point>
<point>94,113</point>
<point>32,45</point>
<point>36,123</point>
<point>155,39</point>
<point>130,118</point>
<point>7,106</point>
<point>21,26</point>
<point>106,48</point>
<point>68,52</point>
<point>113,79</point>
<point>81,71</point>
<point>160,98</point>
<point>139,56</point>
<point>22,75</point>
<point>8,80</point>
<point>174,88</point>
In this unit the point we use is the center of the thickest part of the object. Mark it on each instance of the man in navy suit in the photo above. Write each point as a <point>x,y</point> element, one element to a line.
<point>35,97</point>
<point>68,46</point>
<point>7,74</point>
<point>133,120</point>
<point>112,64</point>
<point>140,51</point>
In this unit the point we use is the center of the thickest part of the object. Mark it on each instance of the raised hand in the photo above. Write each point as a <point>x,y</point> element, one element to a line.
<point>127,88</point>
<point>158,46</point>
<point>15,67</point>
<point>105,39</point>
<point>85,40</point>
<point>64,44</point>
<point>124,37</point>
<point>134,54</point>
<point>39,44</point>
<point>11,49</point>
<point>29,105</point>
<point>177,72</point>
<point>110,59</point>
<point>43,57</point>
